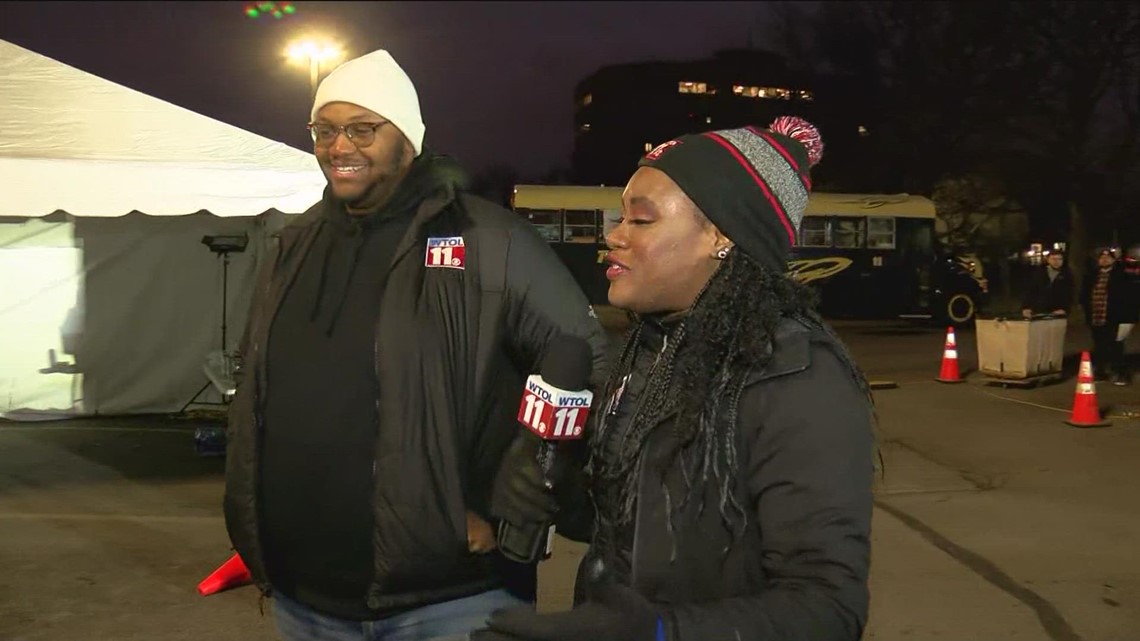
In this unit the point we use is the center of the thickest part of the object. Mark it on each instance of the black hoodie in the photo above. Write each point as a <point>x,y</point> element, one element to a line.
<point>320,416</point>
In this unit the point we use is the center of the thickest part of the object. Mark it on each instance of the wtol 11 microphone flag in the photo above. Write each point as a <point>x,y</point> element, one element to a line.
<point>553,413</point>
<point>554,407</point>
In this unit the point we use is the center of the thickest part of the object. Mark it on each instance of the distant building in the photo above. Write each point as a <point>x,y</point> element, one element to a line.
<point>623,111</point>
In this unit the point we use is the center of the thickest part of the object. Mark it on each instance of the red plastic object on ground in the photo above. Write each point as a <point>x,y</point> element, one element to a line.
<point>231,574</point>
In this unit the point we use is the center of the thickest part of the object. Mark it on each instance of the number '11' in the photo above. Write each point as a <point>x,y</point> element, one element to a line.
<point>565,417</point>
<point>441,255</point>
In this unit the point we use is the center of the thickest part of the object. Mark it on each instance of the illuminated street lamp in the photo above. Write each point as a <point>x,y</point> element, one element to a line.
<point>314,53</point>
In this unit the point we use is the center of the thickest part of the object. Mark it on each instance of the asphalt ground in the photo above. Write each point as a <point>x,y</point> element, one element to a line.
<point>994,519</point>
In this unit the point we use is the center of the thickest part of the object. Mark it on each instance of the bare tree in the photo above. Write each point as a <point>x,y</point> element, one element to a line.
<point>1077,130</point>
<point>981,217</point>
<point>939,74</point>
<point>1043,94</point>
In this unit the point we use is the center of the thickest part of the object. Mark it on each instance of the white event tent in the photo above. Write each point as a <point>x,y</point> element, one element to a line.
<point>110,301</point>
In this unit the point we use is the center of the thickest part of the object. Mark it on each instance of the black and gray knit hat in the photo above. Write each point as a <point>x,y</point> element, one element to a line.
<point>752,183</point>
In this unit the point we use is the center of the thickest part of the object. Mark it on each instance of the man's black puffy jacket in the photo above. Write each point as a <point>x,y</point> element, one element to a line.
<point>452,349</point>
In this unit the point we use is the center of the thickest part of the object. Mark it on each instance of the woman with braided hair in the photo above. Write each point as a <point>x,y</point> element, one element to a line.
<point>731,458</point>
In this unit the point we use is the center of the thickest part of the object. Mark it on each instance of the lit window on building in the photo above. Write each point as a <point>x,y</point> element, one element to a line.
<point>863,131</point>
<point>587,99</point>
<point>585,126</point>
<point>708,120</point>
<point>648,147</point>
<point>775,93</point>
<point>693,87</point>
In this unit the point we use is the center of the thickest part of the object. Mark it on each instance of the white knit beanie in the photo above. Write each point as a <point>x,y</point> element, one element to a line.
<point>374,81</point>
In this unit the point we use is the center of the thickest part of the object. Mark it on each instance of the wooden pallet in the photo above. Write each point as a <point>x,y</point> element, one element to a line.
<point>1026,383</point>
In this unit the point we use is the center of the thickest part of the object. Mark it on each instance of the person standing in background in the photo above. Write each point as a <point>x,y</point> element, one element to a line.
<point>1050,288</point>
<point>1110,303</point>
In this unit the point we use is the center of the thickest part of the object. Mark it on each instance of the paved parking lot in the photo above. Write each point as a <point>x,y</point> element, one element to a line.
<point>994,521</point>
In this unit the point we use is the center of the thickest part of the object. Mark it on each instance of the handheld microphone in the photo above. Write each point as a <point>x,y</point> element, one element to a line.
<point>554,407</point>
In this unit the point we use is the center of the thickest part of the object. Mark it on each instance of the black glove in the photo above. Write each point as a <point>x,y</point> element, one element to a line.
<point>616,613</point>
<point>520,494</point>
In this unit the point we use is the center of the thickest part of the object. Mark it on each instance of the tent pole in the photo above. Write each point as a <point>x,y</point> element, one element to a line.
<point>225,294</point>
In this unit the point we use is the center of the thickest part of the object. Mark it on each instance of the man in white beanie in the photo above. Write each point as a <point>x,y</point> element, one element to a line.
<point>384,360</point>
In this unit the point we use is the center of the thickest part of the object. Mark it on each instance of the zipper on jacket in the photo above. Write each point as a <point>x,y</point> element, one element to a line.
<point>644,452</point>
<point>376,369</point>
<point>413,233</point>
<point>376,418</point>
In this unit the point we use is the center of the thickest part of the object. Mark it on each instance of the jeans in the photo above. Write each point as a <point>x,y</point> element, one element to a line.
<point>447,621</point>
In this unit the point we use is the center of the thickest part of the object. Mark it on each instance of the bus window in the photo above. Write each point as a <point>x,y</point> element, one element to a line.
<point>581,226</point>
<point>547,222</point>
<point>848,232</point>
<point>610,218</point>
<point>880,232</point>
<point>813,232</point>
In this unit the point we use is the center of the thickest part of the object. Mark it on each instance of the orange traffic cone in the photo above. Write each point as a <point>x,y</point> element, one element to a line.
<point>949,373</point>
<point>231,574</point>
<point>1085,410</point>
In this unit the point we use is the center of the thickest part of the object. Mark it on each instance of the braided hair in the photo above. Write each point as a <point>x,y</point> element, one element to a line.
<point>700,375</point>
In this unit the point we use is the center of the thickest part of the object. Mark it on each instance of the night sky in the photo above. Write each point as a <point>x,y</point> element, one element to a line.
<point>495,79</point>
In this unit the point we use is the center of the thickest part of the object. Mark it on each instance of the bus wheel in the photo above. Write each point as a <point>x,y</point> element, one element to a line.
<point>960,309</point>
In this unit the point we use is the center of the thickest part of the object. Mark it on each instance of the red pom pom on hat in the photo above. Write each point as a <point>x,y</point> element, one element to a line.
<point>802,132</point>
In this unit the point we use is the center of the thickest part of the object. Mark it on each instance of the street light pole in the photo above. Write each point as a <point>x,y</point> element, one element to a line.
<point>315,53</point>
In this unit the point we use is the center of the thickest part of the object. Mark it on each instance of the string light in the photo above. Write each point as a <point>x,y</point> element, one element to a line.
<point>276,9</point>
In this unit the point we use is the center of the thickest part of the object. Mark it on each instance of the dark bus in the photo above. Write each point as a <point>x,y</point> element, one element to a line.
<point>870,256</point>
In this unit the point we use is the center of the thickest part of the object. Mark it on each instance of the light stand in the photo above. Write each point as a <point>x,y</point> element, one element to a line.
<point>223,246</point>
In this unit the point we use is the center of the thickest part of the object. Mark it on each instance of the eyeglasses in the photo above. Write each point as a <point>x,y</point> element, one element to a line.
<point>360,134</point>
